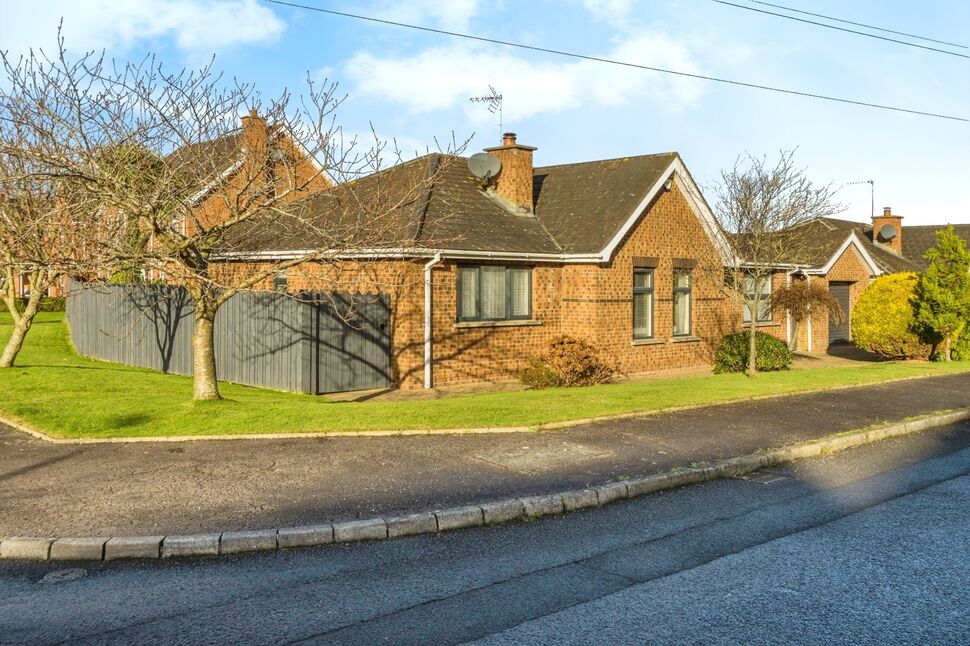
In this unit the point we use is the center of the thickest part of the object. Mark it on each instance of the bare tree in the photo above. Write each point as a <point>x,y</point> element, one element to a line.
<point>763,208</point>
<point>49,230</point>
<point>164,155</point>
<point>800,299</point>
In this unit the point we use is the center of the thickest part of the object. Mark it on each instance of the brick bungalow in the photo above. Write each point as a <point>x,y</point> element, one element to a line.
<point>623,252</point>
<point>847,257</point>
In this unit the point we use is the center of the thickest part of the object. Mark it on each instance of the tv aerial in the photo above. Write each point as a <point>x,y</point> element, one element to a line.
<point>493,101</point>
<point>484,166</point>
<point>872,194</point>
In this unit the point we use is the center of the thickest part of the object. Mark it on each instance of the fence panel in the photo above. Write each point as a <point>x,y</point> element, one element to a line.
<point>309,344</point>
<point>354,351</point>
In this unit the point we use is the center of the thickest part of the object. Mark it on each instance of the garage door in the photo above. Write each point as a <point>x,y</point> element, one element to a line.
<point>840,333</point>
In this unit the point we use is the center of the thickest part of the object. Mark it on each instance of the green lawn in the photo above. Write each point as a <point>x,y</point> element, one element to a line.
<point>54,390</point>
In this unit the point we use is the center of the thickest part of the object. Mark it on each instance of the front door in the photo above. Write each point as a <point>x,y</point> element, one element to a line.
<point>840,333</point>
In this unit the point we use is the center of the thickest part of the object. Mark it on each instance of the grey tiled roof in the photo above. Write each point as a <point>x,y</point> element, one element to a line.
<point>583,206</point>
<point>578,209</point>
<point>824,237</point>
<point>917,240</point>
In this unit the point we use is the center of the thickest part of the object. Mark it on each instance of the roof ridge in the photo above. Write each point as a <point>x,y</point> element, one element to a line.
<point>936,226</point>
<point>610,159</point>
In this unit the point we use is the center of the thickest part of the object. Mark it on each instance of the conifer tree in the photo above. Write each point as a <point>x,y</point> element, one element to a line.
<point>943,295</point>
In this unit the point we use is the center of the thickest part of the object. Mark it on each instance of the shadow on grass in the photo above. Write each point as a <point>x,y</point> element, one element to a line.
<point>127,421</point>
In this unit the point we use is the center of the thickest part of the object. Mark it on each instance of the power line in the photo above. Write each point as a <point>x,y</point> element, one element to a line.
<point>849,31</point>
<point>598,59</point>
<point>858,24</point>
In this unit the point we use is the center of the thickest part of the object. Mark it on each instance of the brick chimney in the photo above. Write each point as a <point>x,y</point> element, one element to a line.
<point>514,182</point>
<point>887,231</point>
<point>254,143</point>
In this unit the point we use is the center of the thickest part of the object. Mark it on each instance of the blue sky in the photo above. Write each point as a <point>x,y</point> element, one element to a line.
<point>415,86</point>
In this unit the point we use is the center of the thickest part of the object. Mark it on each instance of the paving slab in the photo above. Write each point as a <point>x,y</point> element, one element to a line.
<point>190,545</point>
<point>78,549</point>
<point>412,525</point>
<point>359,530</point>
<point>305,536</point>
<point>25,547</point>
<point>236,542</point>
<point>133,547</point>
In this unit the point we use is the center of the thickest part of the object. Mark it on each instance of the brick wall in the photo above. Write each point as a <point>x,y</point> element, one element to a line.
<point>589,301</point>
<point>850,267</point>
<point>515,179</point>
<point>298,170</point>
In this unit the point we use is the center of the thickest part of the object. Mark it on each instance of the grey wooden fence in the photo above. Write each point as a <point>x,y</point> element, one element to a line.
<point>311,343</point>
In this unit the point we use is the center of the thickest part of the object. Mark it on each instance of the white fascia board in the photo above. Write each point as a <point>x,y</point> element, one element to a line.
<point>777,265</point>
<point>306,153</point>
<point>678,171</point>
<point>407,253</point>
<point>851,240</point>
<point>198,197</point>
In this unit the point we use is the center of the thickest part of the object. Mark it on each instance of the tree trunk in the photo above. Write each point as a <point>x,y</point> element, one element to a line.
<point>205,385</point>
<point>21,327</point>
<point>752,347</point>
<point>793,344</point>
<point>946,347</point>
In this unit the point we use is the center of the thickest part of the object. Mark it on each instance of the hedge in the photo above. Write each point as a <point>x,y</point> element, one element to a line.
<point>734,349</point>
<point>47,304</point>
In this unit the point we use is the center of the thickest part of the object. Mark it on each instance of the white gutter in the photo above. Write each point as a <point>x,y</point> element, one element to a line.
<point>378,254</point>
<point>428,320</point>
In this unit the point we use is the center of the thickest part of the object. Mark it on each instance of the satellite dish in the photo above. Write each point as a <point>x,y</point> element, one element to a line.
<point>887,232</point>
<point>484,166</point>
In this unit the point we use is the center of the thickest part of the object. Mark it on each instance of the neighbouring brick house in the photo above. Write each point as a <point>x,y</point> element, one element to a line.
<point>257,154</point>
<point>222,168</point>
<point>847,257</point>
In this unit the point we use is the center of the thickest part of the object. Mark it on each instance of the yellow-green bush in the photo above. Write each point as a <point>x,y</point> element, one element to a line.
<point>883,318</point>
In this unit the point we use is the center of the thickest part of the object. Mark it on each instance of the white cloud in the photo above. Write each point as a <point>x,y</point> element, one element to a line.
<point>195,26</point>
<point>445,77</point>
<point>614,12</point>
<point>447,14</point>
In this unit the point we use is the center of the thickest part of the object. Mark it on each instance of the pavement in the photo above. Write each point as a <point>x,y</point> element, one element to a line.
<point>865,546</point>
<point>200,486</point>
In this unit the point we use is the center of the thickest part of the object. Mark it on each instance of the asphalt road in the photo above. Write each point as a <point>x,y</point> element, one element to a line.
<point>186,487</point>
<point>867,546</point>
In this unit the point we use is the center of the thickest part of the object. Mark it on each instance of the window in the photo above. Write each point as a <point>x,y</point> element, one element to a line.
<point>494,293</point>
<point>764,287</point>
<point>682,302</point>
<point>642,303</point>
<point>279,282</point>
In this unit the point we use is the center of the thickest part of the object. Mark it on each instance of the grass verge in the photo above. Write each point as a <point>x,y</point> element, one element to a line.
<point>55,391</point>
